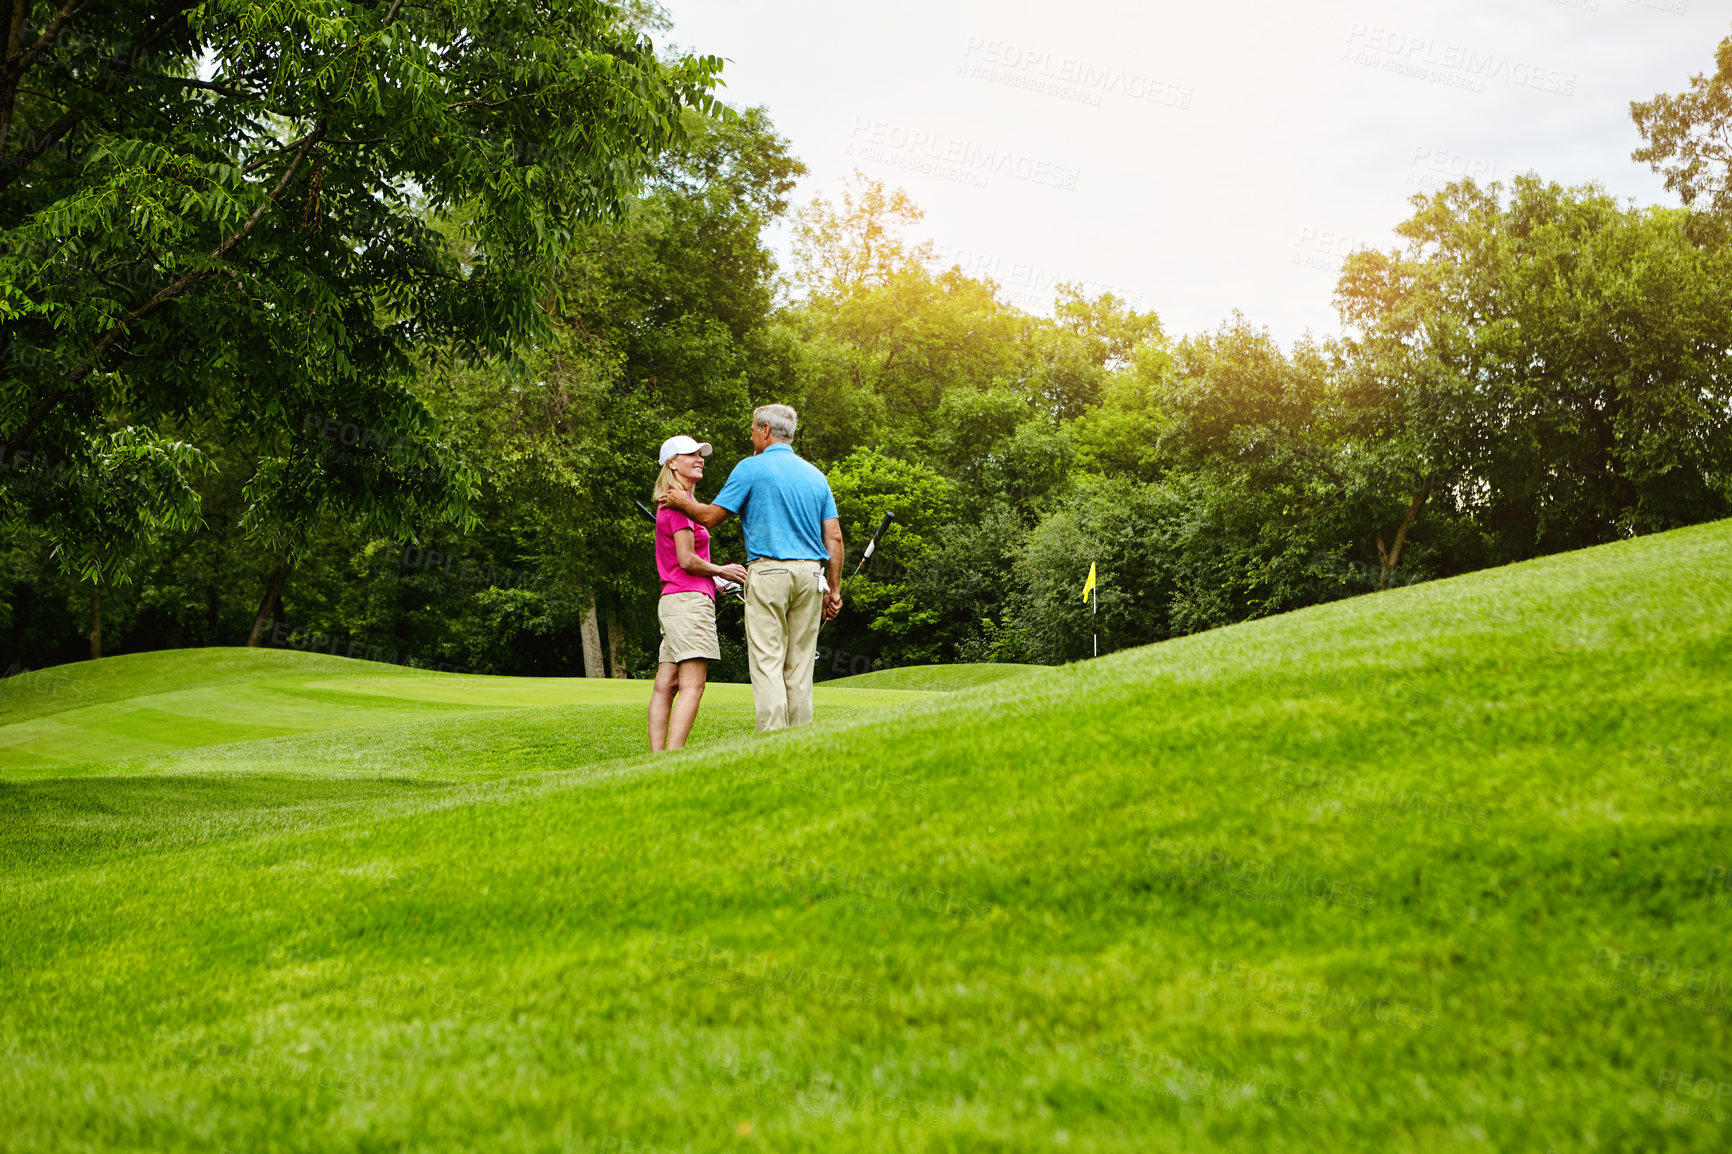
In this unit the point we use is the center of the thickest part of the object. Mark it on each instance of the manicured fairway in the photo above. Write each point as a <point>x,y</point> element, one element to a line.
<point>157,703</point>
<point>1442,869</point>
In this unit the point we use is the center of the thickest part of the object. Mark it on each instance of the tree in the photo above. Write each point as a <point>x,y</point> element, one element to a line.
<point>1122,432</point>
<point>1135,534</point>
<point>222,207</point>
<point>859,244</point>
<point>102,518</point>
<point>1088,340</point>
<point>1234,395</point>
<point>895,335</point>
<point>1688,137</point>
<point>420,480</point>
<point>1562,363</point>
<point>664,325</point>
<point>1000,449</point>
<point>882,615</point>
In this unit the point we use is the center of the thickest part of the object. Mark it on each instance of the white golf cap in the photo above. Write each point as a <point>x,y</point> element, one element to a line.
<point>674,446</point>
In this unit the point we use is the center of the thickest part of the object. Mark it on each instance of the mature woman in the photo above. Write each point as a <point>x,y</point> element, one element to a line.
<point>688,602</point>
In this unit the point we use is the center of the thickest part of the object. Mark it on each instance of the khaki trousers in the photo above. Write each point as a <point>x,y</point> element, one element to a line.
<point>783,609</point>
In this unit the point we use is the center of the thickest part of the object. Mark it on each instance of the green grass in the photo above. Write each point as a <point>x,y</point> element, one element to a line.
<point>156,703</point>
<point>931,678</point>
<point>1441,869</point>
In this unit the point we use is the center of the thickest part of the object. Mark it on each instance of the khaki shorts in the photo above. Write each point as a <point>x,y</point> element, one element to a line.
<point>688,627</point>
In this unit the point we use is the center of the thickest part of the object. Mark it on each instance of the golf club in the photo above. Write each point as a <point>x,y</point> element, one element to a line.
<point>873,544</point>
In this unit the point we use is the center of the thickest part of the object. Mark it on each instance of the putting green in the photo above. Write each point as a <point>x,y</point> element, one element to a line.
<point>508,692</point>
<point>81,713</point>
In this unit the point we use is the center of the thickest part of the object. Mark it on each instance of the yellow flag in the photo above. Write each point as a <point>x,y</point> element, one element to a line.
<point>1089,585</point>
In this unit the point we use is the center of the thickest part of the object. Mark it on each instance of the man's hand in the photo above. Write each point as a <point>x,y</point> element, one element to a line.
<point>709,516</point>
<point>832,604</point>
<point>734,573</point>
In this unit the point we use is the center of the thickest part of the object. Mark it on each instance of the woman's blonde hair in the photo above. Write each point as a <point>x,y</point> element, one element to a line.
<point>665,480</point>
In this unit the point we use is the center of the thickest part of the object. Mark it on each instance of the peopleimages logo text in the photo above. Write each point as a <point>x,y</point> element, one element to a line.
<point>1424,56</point>
<point>1067,76</point>
<point>963,155</point>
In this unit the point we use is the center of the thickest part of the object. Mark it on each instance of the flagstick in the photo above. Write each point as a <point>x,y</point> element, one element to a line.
<point>1092,586</point>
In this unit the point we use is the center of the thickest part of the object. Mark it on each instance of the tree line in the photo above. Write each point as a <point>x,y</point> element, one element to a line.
<point>361,339</point>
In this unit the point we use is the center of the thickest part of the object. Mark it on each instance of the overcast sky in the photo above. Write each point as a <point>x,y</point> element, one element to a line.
<point>1203,157</point>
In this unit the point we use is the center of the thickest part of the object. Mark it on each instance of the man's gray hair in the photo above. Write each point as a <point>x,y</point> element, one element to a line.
<point>781,419</point>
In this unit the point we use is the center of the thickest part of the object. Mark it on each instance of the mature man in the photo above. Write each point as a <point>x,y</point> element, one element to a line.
<point>792,534</point>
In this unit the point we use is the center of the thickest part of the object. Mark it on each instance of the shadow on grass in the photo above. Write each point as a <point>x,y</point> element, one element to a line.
<point>62,823</point>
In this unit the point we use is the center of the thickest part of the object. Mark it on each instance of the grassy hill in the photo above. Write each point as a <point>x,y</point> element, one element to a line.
<point>1440,869</point>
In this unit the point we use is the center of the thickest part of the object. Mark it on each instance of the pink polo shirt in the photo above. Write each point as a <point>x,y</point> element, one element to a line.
<point>675,579</point>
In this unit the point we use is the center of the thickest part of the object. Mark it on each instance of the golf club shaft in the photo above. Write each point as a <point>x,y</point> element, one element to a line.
<point>873,543</point>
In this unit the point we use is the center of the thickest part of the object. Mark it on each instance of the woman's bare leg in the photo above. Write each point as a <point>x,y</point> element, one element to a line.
<point>692,676</point>
<point>661,706</point>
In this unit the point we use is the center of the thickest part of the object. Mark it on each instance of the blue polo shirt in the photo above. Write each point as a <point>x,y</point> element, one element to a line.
<point>782,502</point>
